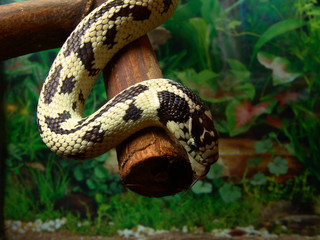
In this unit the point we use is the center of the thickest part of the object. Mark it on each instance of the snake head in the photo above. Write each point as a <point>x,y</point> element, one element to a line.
<point>189,120</point>
<point>203,138</point>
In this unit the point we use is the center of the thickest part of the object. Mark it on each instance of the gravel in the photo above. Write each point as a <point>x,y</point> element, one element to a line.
<point>19,228</point>
<point>36,226</point>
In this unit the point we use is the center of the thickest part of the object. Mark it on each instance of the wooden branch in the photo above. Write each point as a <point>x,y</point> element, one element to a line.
<point>37,25</point>
<point>150,162</point>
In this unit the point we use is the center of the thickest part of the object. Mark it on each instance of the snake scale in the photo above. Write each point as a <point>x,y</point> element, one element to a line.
<point>156,102</point>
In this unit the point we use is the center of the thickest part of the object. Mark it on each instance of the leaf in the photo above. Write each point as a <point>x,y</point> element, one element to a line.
<point>202,187</point>
<point>14,151</point>
<point>230,192</point>
<point>88,164</point>
<point>186,75</point>
<point>280,67</point>
<point>239,70</point>
<point>278,166</point>
<point>202,41</point>
<point>211,11</point>
<point>263,146</point>
<point>274,121</point>
<point>274,31</point>
<point>287,97</point>
<point>213,87</point>
<point>255,161</point>
<point>77,173</point>
<point>100,198</point>
<point>192,8</point>
<point>215,171</point>
<point>91,184</point>
<point>232,91</point>
<point>200,82</point>
<point>241,115</point>
<point>100,171</point>
<point>246,112</point>
<point>103,208</point>
<point>258,179</point>
<point>205,76</point>
<point>234,24</point>
<point>237,65</point>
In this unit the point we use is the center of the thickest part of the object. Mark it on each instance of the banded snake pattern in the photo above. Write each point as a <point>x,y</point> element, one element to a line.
<point>157,102</point>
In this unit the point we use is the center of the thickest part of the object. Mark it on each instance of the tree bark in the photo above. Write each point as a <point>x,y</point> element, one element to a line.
<point>150,163</point>
<point>37,25</point>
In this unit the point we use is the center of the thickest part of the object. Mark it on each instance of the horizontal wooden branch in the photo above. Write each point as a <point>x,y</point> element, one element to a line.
<point>36,25</point>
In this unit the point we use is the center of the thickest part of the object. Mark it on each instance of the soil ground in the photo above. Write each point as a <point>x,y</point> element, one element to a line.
<point>64,235</point>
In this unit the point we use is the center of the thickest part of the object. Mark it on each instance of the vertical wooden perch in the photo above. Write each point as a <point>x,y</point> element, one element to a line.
<point>150,162</point>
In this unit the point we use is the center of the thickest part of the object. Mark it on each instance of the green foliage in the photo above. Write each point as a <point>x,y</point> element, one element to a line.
<point>23,199</point>
<point>304,136</point>
<point>278,166</point>
<point>281,69</point>
<point>258,179</point>
<point>102,214</point>
<point>202,187</point>
<point>128,210</point>
<point>269,188</point>
<point>51,184</point>
<point>255,161</point>
<point>94,179</point>
<point>18,204</point>
<point>243,94</point>
<point>263,146</point>
<point>229,192</point>
<point>261,187</point>
<point>24,76</point>
<point>275,30</point>
<point>241,116</point>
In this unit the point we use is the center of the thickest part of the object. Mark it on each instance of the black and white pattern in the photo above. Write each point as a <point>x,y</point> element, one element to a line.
<point>157,102</point>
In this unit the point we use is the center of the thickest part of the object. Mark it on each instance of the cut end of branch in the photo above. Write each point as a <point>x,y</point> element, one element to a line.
<point>153,165</point>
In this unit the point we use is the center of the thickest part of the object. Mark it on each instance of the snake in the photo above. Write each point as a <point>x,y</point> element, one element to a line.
<point>151,103</point>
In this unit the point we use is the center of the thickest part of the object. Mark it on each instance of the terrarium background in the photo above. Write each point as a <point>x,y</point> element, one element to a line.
<point>255,63</point>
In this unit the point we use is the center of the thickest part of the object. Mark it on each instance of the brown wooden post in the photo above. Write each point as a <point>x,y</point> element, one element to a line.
<point>150,162</point>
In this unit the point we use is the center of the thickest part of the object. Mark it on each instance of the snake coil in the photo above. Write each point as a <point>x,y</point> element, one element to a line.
<point>156,102</point>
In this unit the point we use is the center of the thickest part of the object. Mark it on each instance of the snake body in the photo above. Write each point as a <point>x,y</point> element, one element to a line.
<point>157,102</point>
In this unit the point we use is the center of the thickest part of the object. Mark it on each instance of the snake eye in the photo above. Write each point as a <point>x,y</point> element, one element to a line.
<point>192,144</point>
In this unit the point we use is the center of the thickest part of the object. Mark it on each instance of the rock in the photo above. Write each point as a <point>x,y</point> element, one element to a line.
<point>307,225</point>
<point>237,233</point>
<point>234,154</point>
<point>77,203</point>
<point>275,211</point>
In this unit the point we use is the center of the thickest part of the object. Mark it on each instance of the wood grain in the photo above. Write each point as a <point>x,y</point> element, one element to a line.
<point>36,25</point>
<point>150,162</point>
